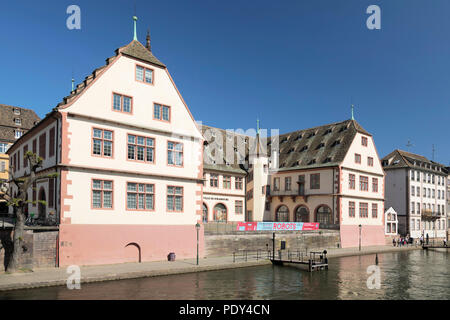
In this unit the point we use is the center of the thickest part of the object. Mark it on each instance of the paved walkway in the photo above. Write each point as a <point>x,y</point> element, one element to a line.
<point>58,276</point>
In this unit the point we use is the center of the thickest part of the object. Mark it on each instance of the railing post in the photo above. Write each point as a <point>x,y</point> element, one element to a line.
<point>234,257</point>
<point>245,255</point>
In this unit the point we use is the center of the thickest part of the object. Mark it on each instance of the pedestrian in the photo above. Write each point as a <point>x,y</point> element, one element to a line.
<point>428,238</point>
<point>421,239</point>
<point>393,242</point>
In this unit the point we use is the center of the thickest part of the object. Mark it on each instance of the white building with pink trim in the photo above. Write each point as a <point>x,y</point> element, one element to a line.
<point>128,155</point>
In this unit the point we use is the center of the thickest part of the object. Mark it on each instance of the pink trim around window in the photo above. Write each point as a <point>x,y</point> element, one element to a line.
<point>101,198</point>
<point>162,105</point>
<point>356,157</point>
<point>137,192</point>
<point>135,74</point>
<point>136,160</point>
<point>182,197</point>
<point>121,103</point>
<point>182,151</point>
<point>102,139</point>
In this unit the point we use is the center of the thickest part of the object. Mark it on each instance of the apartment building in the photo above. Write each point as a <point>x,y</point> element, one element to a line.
<point>127,152</point>
<point>416,188</point>
<point>14,122</point>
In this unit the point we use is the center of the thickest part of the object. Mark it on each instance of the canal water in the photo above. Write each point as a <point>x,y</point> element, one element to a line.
<point>416,274</point>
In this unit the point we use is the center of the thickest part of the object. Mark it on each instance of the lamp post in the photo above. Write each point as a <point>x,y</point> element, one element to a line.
<point>360,226</point>
<point>197,227</point>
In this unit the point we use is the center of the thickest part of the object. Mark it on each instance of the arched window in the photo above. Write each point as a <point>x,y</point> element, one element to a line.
<point>282,214</point>
<point>302,214</point>
<point>205,213</point>
<point>220,213</point>
<point>323,215</point>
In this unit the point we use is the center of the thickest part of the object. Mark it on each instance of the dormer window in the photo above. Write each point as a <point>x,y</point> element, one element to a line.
<point>17,111</point>
<point>312,134</point>
<point>298,137</point>
<point>336,143</point>
<point>304,148</point>
<point>320,146</point>
<point>17,134</point>
<point>18,121</point>
<point>290,150</point>
<point>144,74</point>
<point>283,140</point>
<point>328,131</point>
<point>343,129</point>
<point>327,160</point>
<point>313,161</point>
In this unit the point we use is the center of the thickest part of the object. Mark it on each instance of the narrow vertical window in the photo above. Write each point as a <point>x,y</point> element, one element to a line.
<point>357,158</point>
<point>34,146</point>
<point>351,209</point>
<point>315,181</point>
<point>102,194</point>
<point>363,183</point>
<point>174,199</point>
<point>364,141</point>
<point>42,150</point>
<point>238,207</point>
<point>51,192</point>
<point>174,153</point>
<point>102,142</point>
<point>351,181</point>
<point>374,210</point>
<point>214,180</point>
<point>375,185</point>
<point>51,143</point>
<point>370,161</point>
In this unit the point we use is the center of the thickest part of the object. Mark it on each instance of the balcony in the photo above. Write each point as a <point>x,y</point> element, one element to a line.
<point>428,214</point>
<point>294,193</point>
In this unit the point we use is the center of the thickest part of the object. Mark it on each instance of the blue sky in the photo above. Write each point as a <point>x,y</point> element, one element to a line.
<point>292,64</point>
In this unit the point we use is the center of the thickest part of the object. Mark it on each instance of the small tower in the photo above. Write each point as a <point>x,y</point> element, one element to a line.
<point>148,45</point>
<point>135,32</point>
<point>353,116</point>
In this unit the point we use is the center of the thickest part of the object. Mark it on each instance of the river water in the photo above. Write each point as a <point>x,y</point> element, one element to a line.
<point>416,274</point>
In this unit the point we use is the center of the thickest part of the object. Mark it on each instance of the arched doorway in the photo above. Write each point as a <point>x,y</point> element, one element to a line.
<point>323,215</point>
<point>220,213</point>
<point>282,214</point>
<point>302,214</point>
<point>133,252</point>
<point>205,213</point>
<point>41,207</point>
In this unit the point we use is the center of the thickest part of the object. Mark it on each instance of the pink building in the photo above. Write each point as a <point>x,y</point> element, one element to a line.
<point>129,160</point>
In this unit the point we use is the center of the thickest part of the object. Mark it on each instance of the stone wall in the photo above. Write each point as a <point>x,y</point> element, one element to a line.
<point>38,249</point>
<point>224,244</point>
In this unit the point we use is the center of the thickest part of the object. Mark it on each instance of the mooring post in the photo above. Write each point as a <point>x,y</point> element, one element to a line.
<point>234,258</point>
<point>273,246</point>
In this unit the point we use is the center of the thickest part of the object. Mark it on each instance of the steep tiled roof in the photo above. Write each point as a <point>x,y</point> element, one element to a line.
<point>7,121</point>
<point>322,146</point>
<point>134,49</point>
<point>403,159</point>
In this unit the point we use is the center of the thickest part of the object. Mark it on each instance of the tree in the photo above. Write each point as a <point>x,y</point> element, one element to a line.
<point>20,201</point>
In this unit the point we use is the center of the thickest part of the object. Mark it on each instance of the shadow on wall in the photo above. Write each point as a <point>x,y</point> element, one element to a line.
<point>6,246</point>
<point>133,252</point>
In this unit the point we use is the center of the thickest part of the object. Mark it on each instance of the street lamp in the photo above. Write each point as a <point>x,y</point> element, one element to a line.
<point>360,226</point>
<point>197,227</point>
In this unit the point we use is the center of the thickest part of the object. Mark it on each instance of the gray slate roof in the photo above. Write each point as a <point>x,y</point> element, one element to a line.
<point>323,146</point>
<point>403,159</point>
<point>7,122</point>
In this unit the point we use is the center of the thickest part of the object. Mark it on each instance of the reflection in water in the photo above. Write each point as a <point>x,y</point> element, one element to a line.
<point>404,275</point>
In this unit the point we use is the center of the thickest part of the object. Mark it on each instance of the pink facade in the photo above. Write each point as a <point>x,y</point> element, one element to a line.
<point>370,236</point>
<point>108,244</point>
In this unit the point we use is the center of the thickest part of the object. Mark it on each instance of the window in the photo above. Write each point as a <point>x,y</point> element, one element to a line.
<point>17,134</point>
<point>287,183</point>
<point>144,75</point>
<point>370,161</point>
<point>413,207</point>
<point>161,112</point>
<point>238,183</point>
<point>51,192</point>
<point>174,153</point>
<point>42,145</point>
<point>214,180</point>
<point>122,103</point>
<point>227,182</point>
<point>33,197</point>
<point>282,214</point>
<point>351,209</point>
<point>418,191</point>
<point>413,190</point>
<point>276,184</point>
<point>374,184</point>
<point>18,160</point>
<point>34,146</point>
<point>351,181</point>
<point>17,111</point>
<point>3,147</point>
<point>323,215</point>
<point>315,181</point>
<point>18,121</point>
<point>363,210</point>
<point>102,194</point>
<point>2,166</point>
<point>238,207</point>
<point>140,196</point>
<point>102,142</point>
<point>141,148</point>
<point>174,199</point>
<point>357,158</point>
<point>364,141</point>
<point>363,183</point>
<point>51,143</point>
